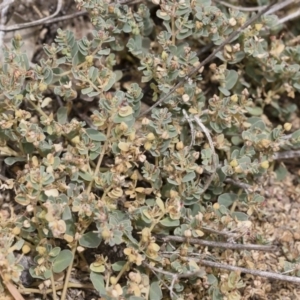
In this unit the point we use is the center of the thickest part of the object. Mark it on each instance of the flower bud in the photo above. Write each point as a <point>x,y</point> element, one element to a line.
<point>234,163</point>
<point>265,164</point>
<point>150,136</point>
<point>179,146</point>
<point>287,126</point>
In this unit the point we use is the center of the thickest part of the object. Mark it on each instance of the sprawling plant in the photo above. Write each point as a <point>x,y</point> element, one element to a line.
<point>151,184</point>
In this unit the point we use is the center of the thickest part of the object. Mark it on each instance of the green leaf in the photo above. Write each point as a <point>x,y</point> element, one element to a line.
<point>46,275</point>
<point>62,261</point>
<point>254,111</point>
<point>117,266</point>
<point>85,176</point>
<point>240,216</point>
<point>227,199</point>
<point>95,135</point>
<point>231,79</point>
<point>28,148</point>
<point>87,90</point>
<point>224,91</point>
<point>281,172</point>
<point>171,181</point>
<point>127,28</point>
<point>97,268</point>
<point>155,291</point>
<point>54,252</point>
<point>48,75</point>
<point>90,240</point>
<point>110,82</point>
<point>211,279</point>
<point>11,160</point>
<point>258,198</point>
<point>67,214</point>
<point>189,177</point>
<point>19,244</point>
<point>98,283</point>
<point>93,73</point>
<point>162,15</point>
<point>105,51</point>
<point>62,115</point>
<point>296,135</point>
<point>183,35</point>
<point>25,61</point>
<point>168,222</point>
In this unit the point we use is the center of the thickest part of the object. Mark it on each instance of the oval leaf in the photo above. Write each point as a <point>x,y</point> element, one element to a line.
<point>155,291</point>
<point>227,199</point>
<point>254,111</point>
<point>231,79</point>
<point>11,160</point>
<point>98,283</point>
<point>62,115</point>
<point>90,240</point>
<point>168,222</point>
<point>95,135</point>
<point>62,261</point>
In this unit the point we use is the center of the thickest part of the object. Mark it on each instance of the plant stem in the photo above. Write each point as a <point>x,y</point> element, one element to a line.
<point>53,287</point>
<point>89,188</point>
<point>38,109</point>
<point>122,271</point>
<point>100,158</point>
<point>65,288</point>
<point>59,287</point>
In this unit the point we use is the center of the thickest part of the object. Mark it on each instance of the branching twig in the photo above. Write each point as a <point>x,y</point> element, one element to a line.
<point>269,275</point>
<point>207,263</point>
<point>214,155</point>
<point>274,9</point>
<point>202,242</point>
<point>289,17</point>
<point>240,8</point>
<point>33,23</point>
<point>58,287</point>
<point>174,276</point>
<point>192,128</point>
<point>170,288</point>
<point>286,154</point>
<point>6,3</point>
<point>280,6</point>
<point>208,58</point>
<point>242,185</point>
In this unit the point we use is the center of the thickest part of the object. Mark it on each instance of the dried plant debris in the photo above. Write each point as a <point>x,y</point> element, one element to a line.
<point>152,154</point>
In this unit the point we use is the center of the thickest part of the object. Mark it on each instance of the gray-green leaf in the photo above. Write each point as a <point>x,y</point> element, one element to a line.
<point>62,261</point>
<point>96,135</point>
<point>90,240</point>
<point>155,291</point>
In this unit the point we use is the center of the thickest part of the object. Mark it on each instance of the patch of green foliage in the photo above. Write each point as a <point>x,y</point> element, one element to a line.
<point>127,181</point>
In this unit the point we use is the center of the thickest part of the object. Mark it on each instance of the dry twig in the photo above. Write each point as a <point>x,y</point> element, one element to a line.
<point>269,275</point>
<point>6,3</point>
<point>33,23</point>
<point>242,185</point>
<point>202,242</point>
<point>192,128</point>
<point>289,17</point>
<point>207,263</point>
<point>286,154</point>
<point>274,9</point>
<point>214,155</point>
